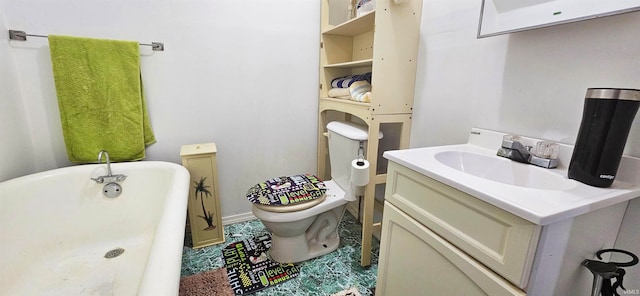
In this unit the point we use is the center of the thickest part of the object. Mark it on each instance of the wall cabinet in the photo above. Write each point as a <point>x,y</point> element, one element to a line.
<point>502,17</point>
<point>385,43</point>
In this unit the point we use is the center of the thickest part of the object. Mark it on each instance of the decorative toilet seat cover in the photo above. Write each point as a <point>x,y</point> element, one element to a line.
<point>285,191</point>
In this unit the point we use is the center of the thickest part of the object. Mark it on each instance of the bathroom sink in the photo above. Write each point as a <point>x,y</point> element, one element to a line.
<point>503,170</point>
<point>539,195</point>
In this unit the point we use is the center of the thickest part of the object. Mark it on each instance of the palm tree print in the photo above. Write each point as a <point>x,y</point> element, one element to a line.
<point>202,191</point>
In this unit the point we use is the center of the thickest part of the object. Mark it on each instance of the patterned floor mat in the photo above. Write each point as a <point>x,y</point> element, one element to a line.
<point>250,270</point>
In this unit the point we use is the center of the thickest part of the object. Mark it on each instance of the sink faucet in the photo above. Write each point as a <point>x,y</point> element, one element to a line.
<point>544,155</point>
<point>109,178</point>
<point>514,150</point>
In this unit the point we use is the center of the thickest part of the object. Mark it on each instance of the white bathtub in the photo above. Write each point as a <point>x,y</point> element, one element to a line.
<point>56,227</point>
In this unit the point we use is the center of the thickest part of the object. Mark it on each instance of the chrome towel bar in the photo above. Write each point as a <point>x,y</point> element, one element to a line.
<point>22,36</point>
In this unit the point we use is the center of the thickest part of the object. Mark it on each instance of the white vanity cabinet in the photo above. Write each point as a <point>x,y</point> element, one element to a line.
<point>459,220</point>
<point>440,241</point>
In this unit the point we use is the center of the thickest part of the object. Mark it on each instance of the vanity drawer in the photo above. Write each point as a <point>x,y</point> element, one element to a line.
<point>416,261</point>
<point>502,241</point>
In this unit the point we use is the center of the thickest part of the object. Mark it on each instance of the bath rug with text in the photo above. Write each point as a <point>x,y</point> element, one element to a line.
<point>208,283</point>
<point>248,268</point>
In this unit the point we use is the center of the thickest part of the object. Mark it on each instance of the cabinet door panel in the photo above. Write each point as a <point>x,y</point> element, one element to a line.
<point>416,261</point>
<point>502,241</point>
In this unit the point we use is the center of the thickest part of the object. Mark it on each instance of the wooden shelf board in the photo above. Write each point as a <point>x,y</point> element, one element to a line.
<point>353,64</point>
<point>355,26</point>
<point>346,102</point>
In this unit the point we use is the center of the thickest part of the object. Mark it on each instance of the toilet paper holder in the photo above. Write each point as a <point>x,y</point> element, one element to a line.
<point>359,175</point>
<point>361,153</point>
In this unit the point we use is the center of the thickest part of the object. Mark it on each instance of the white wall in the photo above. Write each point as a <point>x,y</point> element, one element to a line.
<point>531,83</point>
<point>242,74</point>
<point>16,152</point>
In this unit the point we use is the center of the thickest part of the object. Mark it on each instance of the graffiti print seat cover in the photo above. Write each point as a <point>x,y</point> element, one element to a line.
<point>286,192</point>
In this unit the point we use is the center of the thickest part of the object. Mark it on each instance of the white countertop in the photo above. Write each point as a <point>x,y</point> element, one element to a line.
<point>540,206</point>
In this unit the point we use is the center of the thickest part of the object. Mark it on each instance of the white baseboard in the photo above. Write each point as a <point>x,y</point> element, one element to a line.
<point>238,218</point>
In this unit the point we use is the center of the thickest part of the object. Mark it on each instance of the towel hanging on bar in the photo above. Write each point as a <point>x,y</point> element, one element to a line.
<point>22,36</point>
<point>100,97</point>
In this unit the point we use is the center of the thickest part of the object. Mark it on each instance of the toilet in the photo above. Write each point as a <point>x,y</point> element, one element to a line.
<point>301,212</point>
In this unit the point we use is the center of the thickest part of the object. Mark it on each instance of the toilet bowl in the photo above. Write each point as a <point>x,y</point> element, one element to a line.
<point>303,222</point>
<point>301,235</point>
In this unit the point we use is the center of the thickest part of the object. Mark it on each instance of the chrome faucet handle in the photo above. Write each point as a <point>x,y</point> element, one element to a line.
<point>545,154</point>
<point>119,177</point>
<point>99,180</point>
<point>109,179</point>
<point>512,148</point>
<point>516,145</point>
<point>546,149</point>
<point>511,142</point>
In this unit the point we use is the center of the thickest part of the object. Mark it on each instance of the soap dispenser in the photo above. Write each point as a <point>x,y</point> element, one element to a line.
<point>606,121</point>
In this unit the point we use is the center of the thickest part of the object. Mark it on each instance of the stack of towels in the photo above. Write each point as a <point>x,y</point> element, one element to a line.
<point>352,87</point>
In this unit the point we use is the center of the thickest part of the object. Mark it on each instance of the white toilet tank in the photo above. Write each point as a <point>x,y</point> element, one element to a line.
<point>344,141</point>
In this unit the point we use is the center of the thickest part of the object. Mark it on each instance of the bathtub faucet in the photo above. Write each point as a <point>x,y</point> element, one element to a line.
<point>109,178</point>
<point>106,154</point>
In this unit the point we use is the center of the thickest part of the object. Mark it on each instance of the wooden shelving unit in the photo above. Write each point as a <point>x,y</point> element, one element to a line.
<point>385,43</point>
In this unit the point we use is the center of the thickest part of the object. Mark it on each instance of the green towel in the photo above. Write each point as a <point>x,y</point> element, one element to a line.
<point>100,98</point>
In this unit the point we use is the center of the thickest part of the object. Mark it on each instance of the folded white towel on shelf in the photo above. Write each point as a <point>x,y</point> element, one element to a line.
<point>360,91</point>
<point>338,92</point>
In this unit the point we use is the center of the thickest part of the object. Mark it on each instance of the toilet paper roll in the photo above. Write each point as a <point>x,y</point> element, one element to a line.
<point>359,172</point>
<point>359,177</point>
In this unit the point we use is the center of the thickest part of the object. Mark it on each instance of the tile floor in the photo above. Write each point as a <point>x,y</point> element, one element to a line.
<point>325,275</point>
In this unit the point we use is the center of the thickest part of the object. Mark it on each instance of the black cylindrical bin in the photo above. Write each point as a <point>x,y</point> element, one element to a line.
<point>606,121</point>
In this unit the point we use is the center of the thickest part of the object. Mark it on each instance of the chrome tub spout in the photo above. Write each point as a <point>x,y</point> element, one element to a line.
<point>109,178</point>
<point>106,154</point>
